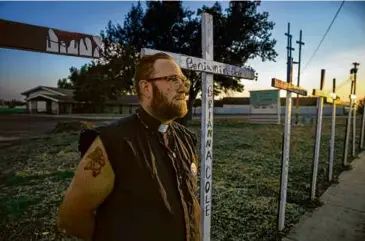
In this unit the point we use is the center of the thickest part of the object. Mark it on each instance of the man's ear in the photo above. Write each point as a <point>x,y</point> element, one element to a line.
<point>145,88</point>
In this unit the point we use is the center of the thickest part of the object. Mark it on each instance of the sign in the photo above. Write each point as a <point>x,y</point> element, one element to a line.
<point>207,66</point>
<point>28,37</point>
<point>264,97</point>
<point>288,87</point>
<point>265,106</point>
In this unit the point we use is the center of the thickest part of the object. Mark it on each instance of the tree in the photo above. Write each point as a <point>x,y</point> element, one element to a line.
<point>88,83</point>
<point>240,34</point>
<point>64,84</point>
<point>360,107</point>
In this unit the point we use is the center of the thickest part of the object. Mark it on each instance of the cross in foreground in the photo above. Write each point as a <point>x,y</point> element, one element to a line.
<point>208,68</point>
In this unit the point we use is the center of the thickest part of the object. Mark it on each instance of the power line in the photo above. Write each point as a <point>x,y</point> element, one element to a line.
<point>328,29</point>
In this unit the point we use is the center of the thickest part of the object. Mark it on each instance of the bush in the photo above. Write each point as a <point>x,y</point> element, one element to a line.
<point>72,126</point>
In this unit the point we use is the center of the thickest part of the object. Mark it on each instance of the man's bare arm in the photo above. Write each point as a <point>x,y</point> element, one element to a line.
<point>92,183</point>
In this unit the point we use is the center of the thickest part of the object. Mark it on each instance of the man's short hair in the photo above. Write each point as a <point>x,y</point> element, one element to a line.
<point>144,69</point>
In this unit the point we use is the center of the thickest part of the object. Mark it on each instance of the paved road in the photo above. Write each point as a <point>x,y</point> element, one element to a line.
<point>16,127</point>
<point>342,217</point>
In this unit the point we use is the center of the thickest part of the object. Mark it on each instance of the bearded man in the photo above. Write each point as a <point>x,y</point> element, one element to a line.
<point>136,180</point>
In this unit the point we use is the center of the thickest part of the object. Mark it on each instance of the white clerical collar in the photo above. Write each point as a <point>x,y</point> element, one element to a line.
<point>163,128</point>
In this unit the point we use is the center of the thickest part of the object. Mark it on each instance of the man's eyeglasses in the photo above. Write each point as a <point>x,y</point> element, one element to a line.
<point>175,80</point>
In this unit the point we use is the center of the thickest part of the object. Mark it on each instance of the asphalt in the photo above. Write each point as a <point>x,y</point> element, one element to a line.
<point>342,217</point>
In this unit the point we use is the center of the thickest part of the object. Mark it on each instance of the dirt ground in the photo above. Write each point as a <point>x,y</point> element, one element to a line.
<point>16,127</point>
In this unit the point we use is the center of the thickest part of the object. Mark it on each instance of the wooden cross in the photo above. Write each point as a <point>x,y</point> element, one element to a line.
<point>208,67</point>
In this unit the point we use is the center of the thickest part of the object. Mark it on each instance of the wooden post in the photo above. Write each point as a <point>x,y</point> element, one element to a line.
<point>207,129</point>
<point>362,128</point>
<point>354,113</point>
<point>318,138</point>
<point>208,67</point>
<point>289,87</point>
<point>333,133</point>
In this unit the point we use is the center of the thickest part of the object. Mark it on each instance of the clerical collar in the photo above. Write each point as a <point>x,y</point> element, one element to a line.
<point>151,122</point>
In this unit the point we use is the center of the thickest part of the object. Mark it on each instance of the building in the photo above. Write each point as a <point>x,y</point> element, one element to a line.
<point>51,100</point>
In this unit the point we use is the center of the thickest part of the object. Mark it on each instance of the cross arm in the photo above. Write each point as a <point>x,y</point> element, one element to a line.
<point>279,84</point>
<point>208,66</point>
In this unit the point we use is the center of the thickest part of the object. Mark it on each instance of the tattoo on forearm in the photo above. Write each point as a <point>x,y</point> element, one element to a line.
<point>96,162</point>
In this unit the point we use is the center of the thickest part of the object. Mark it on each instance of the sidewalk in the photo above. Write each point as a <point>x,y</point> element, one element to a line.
<point>342,217</point>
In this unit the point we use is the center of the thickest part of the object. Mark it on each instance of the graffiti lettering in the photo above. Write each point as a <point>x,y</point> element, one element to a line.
<point>60,42</point>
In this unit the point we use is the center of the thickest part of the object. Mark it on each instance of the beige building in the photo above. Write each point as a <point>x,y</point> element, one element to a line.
<point>51,100</point>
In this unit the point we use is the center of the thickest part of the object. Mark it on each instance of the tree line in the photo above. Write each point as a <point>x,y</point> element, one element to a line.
<point>240,33</point>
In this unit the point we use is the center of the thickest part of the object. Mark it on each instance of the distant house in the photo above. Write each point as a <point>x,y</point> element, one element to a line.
<point>51,100</point>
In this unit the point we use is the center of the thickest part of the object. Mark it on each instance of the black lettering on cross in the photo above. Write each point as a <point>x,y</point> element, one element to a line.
<point>207,207</point>
<point>208,173</point>
<point>207,201</point>
<point>189,62</point>
<point>210,104</point>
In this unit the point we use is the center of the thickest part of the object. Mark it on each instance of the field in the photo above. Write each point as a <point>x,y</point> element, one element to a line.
<point>246,180</point>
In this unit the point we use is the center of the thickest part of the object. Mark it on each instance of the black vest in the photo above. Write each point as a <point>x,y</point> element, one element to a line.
<point>154,195</point>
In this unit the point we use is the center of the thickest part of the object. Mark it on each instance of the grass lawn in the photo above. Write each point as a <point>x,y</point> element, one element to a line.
<point>246,180</point>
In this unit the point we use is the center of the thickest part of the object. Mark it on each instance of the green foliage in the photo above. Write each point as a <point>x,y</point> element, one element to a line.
<point>64,84</point>
<point>360,107</point>
<point>240,33</point>
<point>14,208</point>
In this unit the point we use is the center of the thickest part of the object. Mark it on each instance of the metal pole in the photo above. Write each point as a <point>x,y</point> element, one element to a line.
<point>286,140</point>
<point>318,139</point>
<point>207,130</point>
<point>299,61</point>
<point>333,130</point>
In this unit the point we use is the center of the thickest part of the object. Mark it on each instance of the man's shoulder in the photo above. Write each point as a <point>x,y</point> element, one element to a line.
<point>110,130</point>
<point>123,123</point>
<point>186,132</point>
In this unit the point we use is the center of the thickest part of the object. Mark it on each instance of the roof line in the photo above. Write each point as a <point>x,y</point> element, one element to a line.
<point>42,87</point>
<point>44,96</point>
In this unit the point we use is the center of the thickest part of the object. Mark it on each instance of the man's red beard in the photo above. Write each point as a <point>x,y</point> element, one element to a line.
<point>162,108</point>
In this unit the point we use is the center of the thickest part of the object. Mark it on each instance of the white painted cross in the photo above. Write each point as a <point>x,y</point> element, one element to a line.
<point>345,152</point>
<point>362,127</point>
<point>286,141</point>
<point>289,87</point>
<point>334,99</point>
<point>208,67</point>
<point>321,95</point>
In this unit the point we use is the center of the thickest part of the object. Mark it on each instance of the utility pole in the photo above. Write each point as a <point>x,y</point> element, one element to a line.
<point>299,61</point>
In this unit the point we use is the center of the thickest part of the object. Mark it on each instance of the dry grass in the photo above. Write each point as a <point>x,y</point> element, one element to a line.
<point>246,180</point>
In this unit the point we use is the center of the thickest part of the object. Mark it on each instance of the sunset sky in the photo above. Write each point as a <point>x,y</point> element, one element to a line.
<point>343,45</point>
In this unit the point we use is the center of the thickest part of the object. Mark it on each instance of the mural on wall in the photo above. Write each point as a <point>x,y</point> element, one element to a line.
<point>48,40</point>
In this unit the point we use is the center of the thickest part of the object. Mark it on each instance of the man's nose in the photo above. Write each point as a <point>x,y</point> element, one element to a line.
<point>182,87</point>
